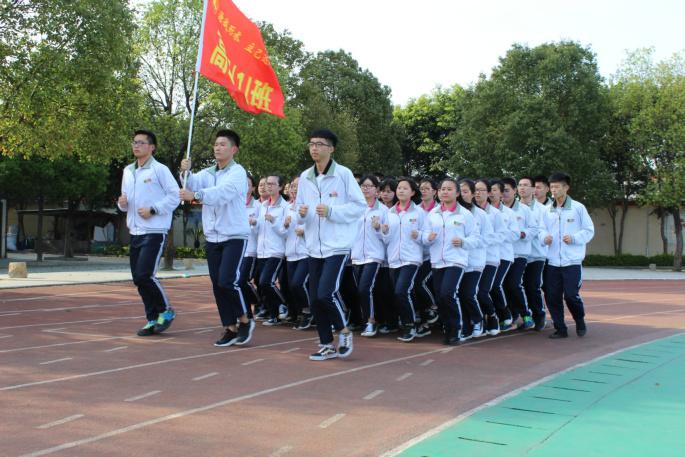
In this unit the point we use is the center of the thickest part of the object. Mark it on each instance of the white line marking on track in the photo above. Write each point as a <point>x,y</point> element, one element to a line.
<point>373,394</point>
<point>404,376</point>
<point>10,314</point>
<point>50,297</point>
<point>280,451</point>
<point>48,330</point>
<point>60,422</point>
<point>425,363</point>
<point>55,361</point>
<point>145,395</point>
<point>207,330</point>
<point>251,362</point>
<point>287,351</point>
<point>188,412</point>
<point>102,323</point>
<point>149,364</point>
<point>6,336</point>
<point>205,376</point>
<point>118,348</point>
<point>331,420</point>
<point>445,351</point>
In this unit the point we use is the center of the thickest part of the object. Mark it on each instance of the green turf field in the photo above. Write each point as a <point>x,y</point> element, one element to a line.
<point>631,403</point>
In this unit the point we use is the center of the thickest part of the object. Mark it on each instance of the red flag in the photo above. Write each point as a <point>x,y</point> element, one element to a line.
<point>234,56</point>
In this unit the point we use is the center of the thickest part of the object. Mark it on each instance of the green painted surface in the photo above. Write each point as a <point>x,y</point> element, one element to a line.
<point>629,404</point>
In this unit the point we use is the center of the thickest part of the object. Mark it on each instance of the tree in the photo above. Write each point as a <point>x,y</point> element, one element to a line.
<point>659,130</point>
<point>336,93</point>
<point>543,109</point>
<point>426,125</point>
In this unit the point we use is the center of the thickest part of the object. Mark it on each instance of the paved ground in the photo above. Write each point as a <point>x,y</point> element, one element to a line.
<point>75,382</point>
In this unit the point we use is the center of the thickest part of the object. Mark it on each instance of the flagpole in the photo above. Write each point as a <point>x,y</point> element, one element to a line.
<point>195,89</point>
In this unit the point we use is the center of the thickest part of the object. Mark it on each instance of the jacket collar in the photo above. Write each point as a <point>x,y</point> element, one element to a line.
<point>312,173</point>
<point>566,205</point>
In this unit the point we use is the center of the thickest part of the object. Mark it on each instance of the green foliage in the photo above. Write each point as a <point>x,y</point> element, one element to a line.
<point>67,84</point>
<point>628,260</point>
<point>543,109</point>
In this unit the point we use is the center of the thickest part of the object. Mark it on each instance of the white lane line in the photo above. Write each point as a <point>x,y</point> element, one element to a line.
<point>280,451</point>
<point>6,336</point>
<point>373,394</point>
<point>10,314</point>
<point>425,363</point>
<point>145,395</point>
<point>445,351</point>
<point>60,422</point>
<point>404,376</point>
<point>205,376</point>
<point>51,297</point>
<point>251,362</point>
<point>118,348</point>
<point>207,330</point>
<point>290,350</point>
<point>102,323</point>
<point>55,361</point>
<point>228,401</point>
<point>54,329</point>
<point>331,420</point>
<point>149,364</point>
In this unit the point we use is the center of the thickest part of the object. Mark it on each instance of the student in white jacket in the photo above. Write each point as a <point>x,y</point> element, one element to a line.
<point>492,257</point>
<point>474,316</point>
<point>271,246</point>
<point>449,233</point>
<point>567,230</point>
<point>535,265</point>
<point>402,235</point>
<point>368,252</point>
<point>510,234</point>
<point>249,265</point>
<point>149,196</point>
<point>330,204</point>
<point>297,263</point>
<point>222,190</point>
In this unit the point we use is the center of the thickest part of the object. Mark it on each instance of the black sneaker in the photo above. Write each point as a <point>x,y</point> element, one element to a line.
<point>408,334</point>
<point>370,330</point>
<point>423,330</point>
<point>540,323</point>
<point>325,352</point>
<point>492,325</point>
<point>345,344</point>
<point>228,339</point>
<point>272,322</point>
<point>431,316</point>
<point>385,329</point>
<point>558,334</point>
<point>261,314</point>
<point>305,322</point>
<point>245,332</point>
<point>581,328</point>
<point>148,330</point>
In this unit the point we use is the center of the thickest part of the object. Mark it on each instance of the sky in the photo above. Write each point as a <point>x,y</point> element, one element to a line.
<point>414,47</point>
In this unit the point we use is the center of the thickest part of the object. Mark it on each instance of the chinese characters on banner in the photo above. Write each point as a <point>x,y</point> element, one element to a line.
<point>234,56</point>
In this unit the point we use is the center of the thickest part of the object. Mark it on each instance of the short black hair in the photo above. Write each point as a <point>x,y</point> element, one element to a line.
<point>412,184</point>
<point>231,135</point>
<point>151,138</point>
<point>560,177</point>
<point>497,182</point>
<point>369,177</point>
<point>326,135</point>
<point>541,178</point>
<point>509,180</point>
<point>529,178</point>
<point>430,181</point>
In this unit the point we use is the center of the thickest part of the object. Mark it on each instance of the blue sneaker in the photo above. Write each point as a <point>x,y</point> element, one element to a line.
<point>527,324</point>
<point>164,320</point>
<point>148,330</point>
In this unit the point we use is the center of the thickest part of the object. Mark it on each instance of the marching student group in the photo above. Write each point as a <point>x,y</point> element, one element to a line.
<point>368,254</point>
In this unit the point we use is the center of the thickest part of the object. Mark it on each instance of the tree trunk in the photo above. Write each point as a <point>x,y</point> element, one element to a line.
<point>612,214</point>
<point>68,251</point>
<point>38,247</point>
<point>622,227</point>
<point>678,228</point>
<point>662,232</point>
<point>169,250</point>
